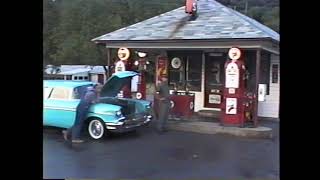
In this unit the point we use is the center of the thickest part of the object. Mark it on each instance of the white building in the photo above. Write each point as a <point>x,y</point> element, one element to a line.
<point>80,72</point>
<point>201,44</point>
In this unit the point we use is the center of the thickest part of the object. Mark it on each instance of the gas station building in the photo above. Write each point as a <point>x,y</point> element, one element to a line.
<point>196,49</point>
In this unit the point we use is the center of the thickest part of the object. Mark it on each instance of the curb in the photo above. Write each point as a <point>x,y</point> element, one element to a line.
<point>216,128</point>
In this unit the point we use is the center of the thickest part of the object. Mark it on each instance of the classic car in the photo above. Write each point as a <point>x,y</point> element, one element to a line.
<point>110,114</point>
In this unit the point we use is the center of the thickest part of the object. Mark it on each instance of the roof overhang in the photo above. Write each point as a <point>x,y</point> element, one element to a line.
<point>267,44</point>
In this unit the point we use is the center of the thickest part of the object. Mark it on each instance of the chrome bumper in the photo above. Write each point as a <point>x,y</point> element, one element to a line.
<point>128,124</point>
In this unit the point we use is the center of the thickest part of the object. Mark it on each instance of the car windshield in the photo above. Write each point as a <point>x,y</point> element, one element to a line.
<point>78,92</point>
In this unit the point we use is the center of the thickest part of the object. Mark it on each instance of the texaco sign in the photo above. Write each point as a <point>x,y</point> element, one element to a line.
<point>234,53</point>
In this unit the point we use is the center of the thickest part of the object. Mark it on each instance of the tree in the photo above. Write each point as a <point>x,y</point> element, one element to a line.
<point>69,25</point>
<point>271,19</point>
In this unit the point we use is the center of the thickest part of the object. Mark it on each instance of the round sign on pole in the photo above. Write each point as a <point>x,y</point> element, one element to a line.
<point>176,63</point>
<point>234,53</point>
<point>139,95</point>
<point>123,53</point>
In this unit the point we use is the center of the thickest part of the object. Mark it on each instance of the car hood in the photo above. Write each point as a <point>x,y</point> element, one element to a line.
<point>116,82</point>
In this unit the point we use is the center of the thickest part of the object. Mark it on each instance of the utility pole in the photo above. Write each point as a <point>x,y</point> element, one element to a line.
<point>246,9</point>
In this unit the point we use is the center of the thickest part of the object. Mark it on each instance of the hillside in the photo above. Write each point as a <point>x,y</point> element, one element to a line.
<point>69,25</point>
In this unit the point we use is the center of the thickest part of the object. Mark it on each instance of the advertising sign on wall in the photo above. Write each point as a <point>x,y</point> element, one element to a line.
<point>161,68</point>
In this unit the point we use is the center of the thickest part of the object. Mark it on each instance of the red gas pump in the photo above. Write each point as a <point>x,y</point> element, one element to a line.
<point>234,99</point>
<point>140,66</point>
<point>124,64</point>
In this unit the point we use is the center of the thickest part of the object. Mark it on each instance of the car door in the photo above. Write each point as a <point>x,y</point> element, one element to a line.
<point>46,93</point>
<point>60,108</point>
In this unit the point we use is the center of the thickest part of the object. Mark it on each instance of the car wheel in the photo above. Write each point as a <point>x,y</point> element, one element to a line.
<point>96,129</point>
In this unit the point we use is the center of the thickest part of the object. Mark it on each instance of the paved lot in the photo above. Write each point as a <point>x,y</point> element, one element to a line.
<point>174,155</point>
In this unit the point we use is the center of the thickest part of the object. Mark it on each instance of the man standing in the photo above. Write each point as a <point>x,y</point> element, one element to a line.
<point>89,98</point>
<point>164,104</point>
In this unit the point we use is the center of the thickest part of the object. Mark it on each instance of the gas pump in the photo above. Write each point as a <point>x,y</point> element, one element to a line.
<point>140,66</point>
<point>123,64</point>
<point>237,105</point>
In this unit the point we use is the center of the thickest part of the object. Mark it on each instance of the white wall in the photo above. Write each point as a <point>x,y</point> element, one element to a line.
<point>270,107</point>
<point>80,74</point>
<point>94,78</point>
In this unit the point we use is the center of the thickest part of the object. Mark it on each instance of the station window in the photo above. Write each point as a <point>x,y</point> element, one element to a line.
<point>265,70</point>
<point>185,70</point>
<point>250,62</point>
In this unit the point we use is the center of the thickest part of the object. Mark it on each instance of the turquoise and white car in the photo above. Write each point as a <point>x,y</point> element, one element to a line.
<point>111,114</point>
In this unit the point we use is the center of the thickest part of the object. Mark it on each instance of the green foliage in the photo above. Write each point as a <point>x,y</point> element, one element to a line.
<point>264,11</point>
<point>69,25</point>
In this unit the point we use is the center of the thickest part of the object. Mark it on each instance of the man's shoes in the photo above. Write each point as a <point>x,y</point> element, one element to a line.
<point>65,135</point>
<point>77,141</point>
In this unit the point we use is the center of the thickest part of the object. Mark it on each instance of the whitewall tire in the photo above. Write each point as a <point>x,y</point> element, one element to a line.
<point>96,129</point>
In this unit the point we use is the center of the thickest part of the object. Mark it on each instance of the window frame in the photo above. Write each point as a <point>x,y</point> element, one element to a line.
<point>68,89</point>
<point>49,94</point>
<point>73,91</point>
<point>184,71</point>
<point>265,62</point>
<point>192,71</point>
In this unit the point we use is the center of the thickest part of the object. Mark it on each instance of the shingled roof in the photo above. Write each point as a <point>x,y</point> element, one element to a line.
<point>214,21</point>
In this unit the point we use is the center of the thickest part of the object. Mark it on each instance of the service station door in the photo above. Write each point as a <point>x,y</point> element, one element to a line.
<point>214,79</point>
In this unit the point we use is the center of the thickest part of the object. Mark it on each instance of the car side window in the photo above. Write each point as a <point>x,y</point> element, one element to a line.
<point>60,93</point>
<point>46,92</point>
<point>78,92</point>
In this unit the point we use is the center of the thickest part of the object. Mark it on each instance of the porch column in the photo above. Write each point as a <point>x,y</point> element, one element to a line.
<point>108,62</point>
<point>255,115</point>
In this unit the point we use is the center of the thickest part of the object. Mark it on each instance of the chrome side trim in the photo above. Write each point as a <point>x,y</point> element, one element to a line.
<point>115,124</point>
<point>106,113</point>
<point>111,127</point>
<point>59,108</point>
